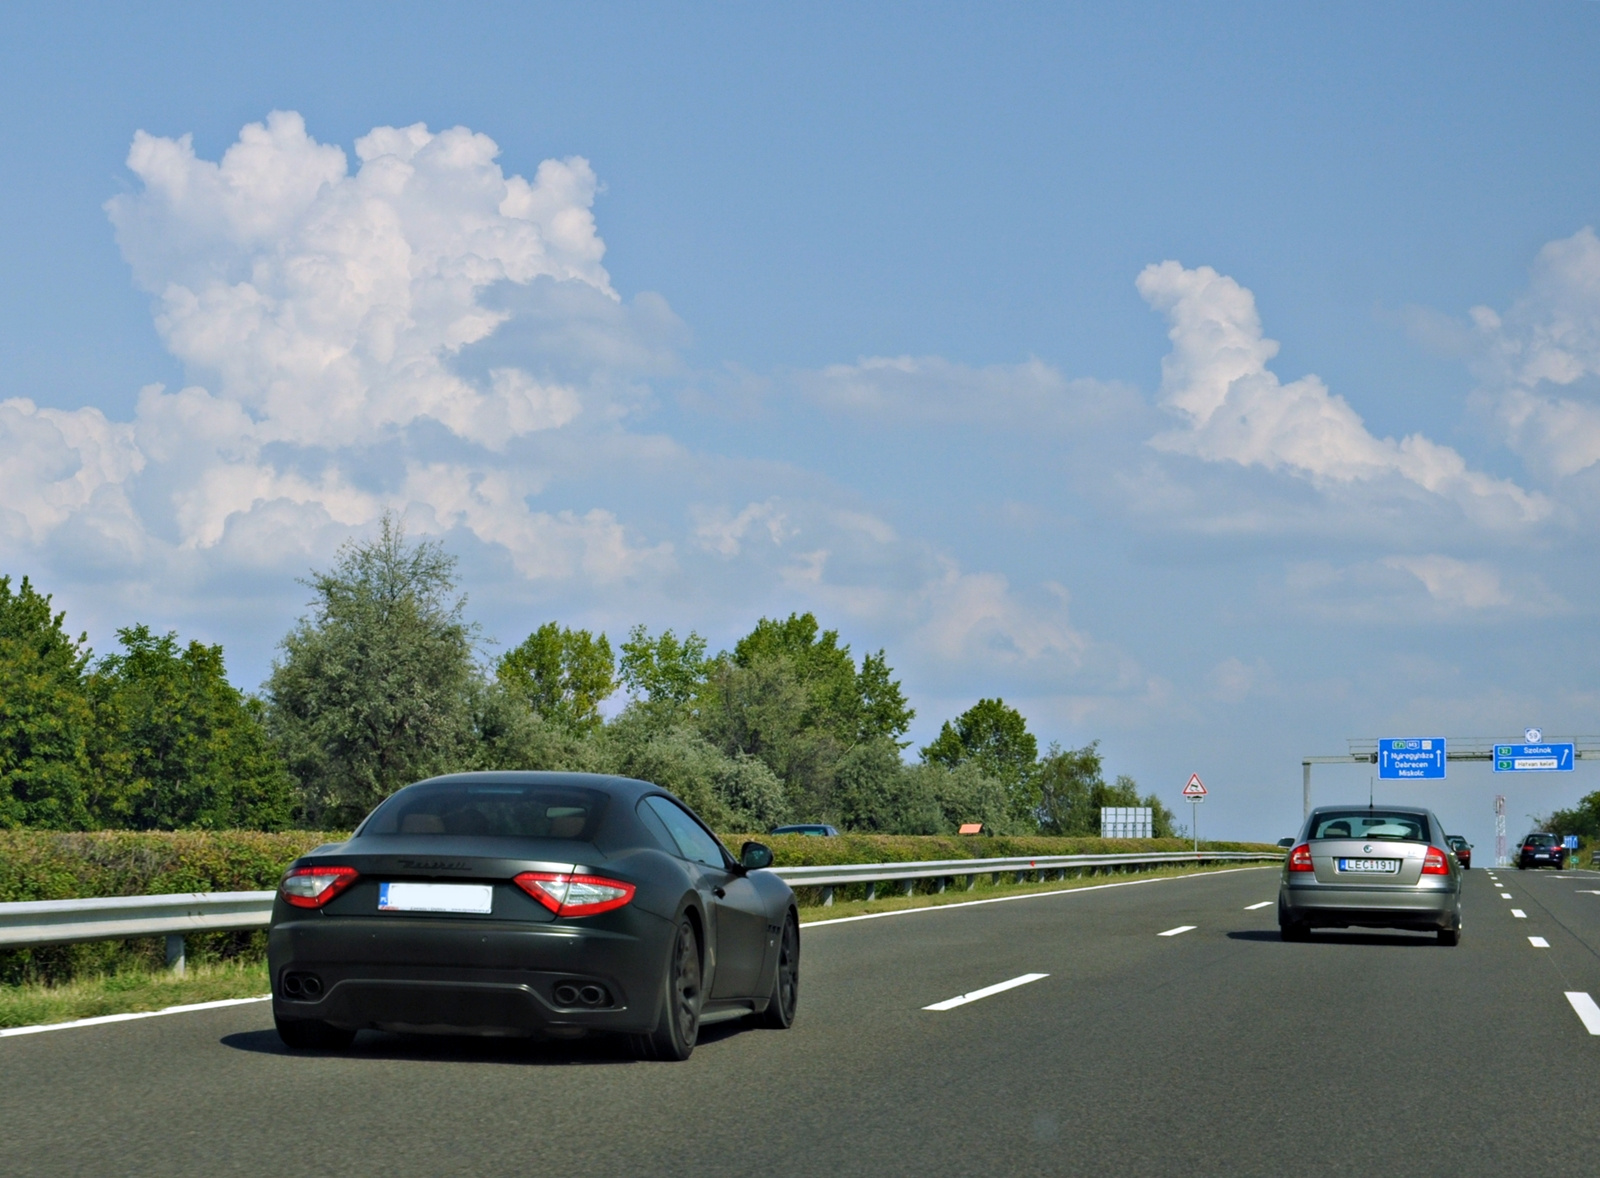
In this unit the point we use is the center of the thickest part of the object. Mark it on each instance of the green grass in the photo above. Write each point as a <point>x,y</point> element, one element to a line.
<point>984,890</point>
<point>130,990</point>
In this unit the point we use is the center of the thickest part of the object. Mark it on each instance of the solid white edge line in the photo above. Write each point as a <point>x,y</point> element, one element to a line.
<point>1519,914</point>
<point>997,988</point>
<point>1182,928</point>
<point>1263,904</point>
<point>1586,1010</point>
<point>1539,942</point>
<point>100,1020</point>
<point>1130,883</point>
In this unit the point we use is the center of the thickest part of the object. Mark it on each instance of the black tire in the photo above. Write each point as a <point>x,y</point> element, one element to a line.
<point>785,997</point>
<point>679,1027</point>
<point>1293,930</point>
<point>1449,936</point>
<point>313,1035</point>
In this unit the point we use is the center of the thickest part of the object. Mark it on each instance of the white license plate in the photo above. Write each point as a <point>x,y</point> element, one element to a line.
<point>427,897</point>
<point>1386,866</point>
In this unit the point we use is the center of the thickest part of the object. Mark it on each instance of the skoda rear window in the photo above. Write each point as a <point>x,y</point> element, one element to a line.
<point>1372,824</point>
<point>488,810</point>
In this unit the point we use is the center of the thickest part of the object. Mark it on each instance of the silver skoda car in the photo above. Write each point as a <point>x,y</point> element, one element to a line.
<point>1371,867</point>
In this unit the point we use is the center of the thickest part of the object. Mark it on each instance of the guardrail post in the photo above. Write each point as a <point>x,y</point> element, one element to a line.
<point>872,889</point>
<point>996,879</point>
<point>175,954</point>
<point>911,886</point>
<point>827,897</point>
<point>940,886</point>
<point>972,881</point>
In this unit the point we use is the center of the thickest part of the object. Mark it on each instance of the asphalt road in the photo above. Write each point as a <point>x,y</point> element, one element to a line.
<point>1217,1050</point>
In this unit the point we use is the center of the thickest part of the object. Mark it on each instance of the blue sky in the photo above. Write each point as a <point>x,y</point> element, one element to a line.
<point>1218,382</point>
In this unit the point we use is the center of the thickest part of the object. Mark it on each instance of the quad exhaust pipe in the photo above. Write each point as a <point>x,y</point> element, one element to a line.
<point>305,986</point>
<point>580,994</point>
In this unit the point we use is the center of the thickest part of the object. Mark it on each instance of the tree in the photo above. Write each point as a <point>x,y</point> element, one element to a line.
<point>375,686</point>
<point>884,711</point>
<point>663,672</point>
<point>46,721</point>
<point>875,791</point>
<point>1067,780</point>
<point>176,745</point>
<point>996,739</point>
<point>562,674</point>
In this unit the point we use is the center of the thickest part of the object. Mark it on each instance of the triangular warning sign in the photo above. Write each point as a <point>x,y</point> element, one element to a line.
<point>1196,788</point>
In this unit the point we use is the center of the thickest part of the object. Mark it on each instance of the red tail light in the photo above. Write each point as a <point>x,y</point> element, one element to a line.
<point>574,895</point>
<point>312,887</point>
<point>1300,858</point>
<point>1434,863</point>
<point>1528,848</point>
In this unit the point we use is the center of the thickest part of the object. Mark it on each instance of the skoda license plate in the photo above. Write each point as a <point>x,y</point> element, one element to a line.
<point>1389,866</point>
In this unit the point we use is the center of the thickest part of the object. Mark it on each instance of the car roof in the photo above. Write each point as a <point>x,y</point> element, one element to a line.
<point>1418,810</point>
<point>625,787</point>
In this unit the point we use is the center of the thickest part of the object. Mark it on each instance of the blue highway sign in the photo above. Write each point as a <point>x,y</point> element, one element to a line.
<point>1533,758</point>
<point>1411,757</point>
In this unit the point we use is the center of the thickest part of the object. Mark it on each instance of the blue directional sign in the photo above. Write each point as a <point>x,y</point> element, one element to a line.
<point>1533,758</point>
<point>1411,757</point>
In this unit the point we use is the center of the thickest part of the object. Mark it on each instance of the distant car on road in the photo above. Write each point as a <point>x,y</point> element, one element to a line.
<point>1286,843</point>
<point>540,904</point>
<point>1542,849</point>
<point>1462,848</point>
<point>820,829</point>
<point>1370,867</point>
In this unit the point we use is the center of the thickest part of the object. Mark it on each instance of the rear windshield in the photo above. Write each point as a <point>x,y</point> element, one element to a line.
<point>490,810</point>
<point>1540,840</point>
<point>1371,824</point>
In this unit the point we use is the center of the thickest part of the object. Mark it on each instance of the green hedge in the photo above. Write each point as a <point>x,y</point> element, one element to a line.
<point>799,850</point>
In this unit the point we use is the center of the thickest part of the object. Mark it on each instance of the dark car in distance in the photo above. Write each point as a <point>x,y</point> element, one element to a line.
<point>1541,849</point>
<point>817,829</point>
<point>535,904</point>
<point>1462,849</point>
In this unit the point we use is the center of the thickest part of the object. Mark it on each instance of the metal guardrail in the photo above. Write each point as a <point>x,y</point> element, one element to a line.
<point>28,924</point>
<point>32,923</point>
<point>828,877</point>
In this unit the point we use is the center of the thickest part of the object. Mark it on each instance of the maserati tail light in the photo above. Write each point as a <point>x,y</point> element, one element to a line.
<point>312,887</point>
<point>574,895</point>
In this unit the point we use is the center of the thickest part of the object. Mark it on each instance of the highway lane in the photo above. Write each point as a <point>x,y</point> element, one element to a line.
<point>1218,1050</point>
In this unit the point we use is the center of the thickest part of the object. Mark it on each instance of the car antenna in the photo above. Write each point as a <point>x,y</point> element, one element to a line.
<point>1369,791</point>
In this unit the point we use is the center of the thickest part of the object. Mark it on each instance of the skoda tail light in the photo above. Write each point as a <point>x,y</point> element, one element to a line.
<point>1300,858</point>
<point>1434,863</point>
<point>312,887</point>
<point>574,895</point>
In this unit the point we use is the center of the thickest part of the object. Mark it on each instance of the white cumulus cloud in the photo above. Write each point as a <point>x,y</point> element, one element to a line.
<point>1235,409</point>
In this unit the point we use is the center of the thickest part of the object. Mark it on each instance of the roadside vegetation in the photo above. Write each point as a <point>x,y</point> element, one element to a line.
<point>129,990</point>
<point>385,681</point>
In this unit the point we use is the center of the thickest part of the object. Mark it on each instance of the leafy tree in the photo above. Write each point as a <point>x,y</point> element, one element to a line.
<point>1582,820</point>
<point>663,672</point>
<point>731,792</point>
<point>875,791</point>
<point>177,745</point>
<point>562,674</point>
<point>45,717</point>
<point>375,686</point>
<point>884,711</point>
<point>996,739</point>
<point>1073,791</point>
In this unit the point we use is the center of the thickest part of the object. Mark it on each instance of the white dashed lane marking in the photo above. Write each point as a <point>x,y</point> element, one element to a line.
<point>1586,1010</point>
<point>997,988</point>
<point>1539,942</point>
<point>1253,907</point>
<point>1519,914</point>
<point>1182,928</point>
<point>1505,895</point>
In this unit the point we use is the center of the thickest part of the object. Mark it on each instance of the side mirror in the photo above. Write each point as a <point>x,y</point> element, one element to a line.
<point>755,856</point>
